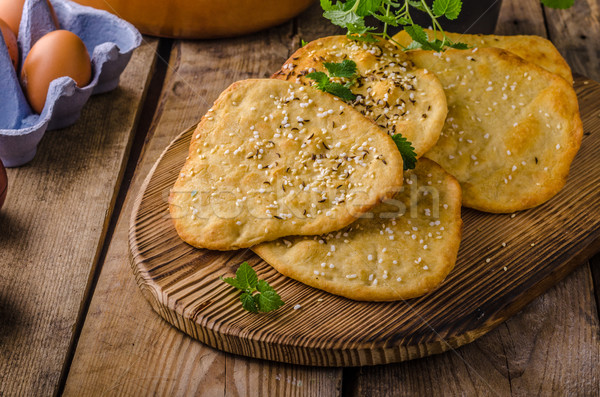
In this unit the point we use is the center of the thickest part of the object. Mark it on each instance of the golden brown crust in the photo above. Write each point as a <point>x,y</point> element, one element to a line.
<point>399,97</point>
<point>512,129</point>
<point>424,246</point>
<point>273,158</point>
<point>534,49</point>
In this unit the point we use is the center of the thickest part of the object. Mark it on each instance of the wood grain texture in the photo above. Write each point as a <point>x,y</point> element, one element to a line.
<point>575,32</point>
<point>551,343</point>
<point>126,348</point>
<point>542,246</point>
<point>52,228</point>
<point>521,17</point>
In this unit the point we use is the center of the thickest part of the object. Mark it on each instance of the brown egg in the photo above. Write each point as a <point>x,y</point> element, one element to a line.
<point>56,54</point>
<point>11,42</point>
<point>12,10</point>
<point>3,184</point>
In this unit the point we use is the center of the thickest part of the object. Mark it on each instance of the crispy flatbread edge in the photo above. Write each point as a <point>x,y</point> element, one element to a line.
<point>450,256</point>
<point>315,228</point>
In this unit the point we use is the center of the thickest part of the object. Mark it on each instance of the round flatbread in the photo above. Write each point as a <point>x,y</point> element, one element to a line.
<point>390,90</point>
<point>534,49</point>
<point>404,248</point>
<point>512,129</point>
<point>273,158</point>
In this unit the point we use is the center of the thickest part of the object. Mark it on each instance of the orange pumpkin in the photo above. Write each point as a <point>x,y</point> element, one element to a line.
<point>201,18</point>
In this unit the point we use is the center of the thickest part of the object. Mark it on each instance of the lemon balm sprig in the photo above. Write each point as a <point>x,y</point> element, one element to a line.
<point>257,295</point>
<point>352,15</point>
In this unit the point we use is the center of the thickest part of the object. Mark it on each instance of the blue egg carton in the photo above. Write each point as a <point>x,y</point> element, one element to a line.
<point>110,42</point>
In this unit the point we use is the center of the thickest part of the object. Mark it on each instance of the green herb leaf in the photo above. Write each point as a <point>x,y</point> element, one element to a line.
<point>257,295</point>
<point>458,46</point>
<point>233,282</point>
<point>418,5</point>
<point>346,68</point>
<point>268,299</point>
<point>321,78</point>
<point>344,18</point>
<point>248,302</point>
<point>418,34</point>
<point>246,276</point>
<point>561,4</point>
<point>303,43</point>
<point>449,8</point>
<point>352,15</point>
<point>389,19</point>
<point>326,5</point>
<point>366,7</point>
<point>340,91</point>
<point>409,157</point>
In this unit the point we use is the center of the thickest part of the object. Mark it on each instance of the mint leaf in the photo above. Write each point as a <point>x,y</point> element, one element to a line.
<point>248,302</point>
<point>389,19</point>
<point>340,91</point>
<point>344,18</point>
<point>321,78</point>
<point>458,46</point>
<point>303,42</point>
<point>268,299</point>
<point>449,8</point>
<point>409,157</point>
<point>418,5</point>
<point>248,283</point>
<point>366,7</point>
<point>233,282</point>
<point>326,5</point>
<point>346,68</point>
<point>417,34</point>
<point>246,276</point>
<point>561,4</point>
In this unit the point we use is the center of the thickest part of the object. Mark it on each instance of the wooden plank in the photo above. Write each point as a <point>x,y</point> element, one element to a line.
<point>521,17</point>
<point>575,33</point>
<point>52,229</point>
<point>128,349</point>
<point>542,347</point>
<point>182,283</point>
<point>547,349</point>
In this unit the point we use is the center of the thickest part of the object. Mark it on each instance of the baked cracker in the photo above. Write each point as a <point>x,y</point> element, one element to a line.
<point>260,144</point>
<point>404,248</point>
<point>534,49</point>
<point>391,91</point>
<point>512,129</point>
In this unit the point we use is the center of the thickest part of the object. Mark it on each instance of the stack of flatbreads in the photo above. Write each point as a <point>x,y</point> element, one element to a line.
<point>316,186</point>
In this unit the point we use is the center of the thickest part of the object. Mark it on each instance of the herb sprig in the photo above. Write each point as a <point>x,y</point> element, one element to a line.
<point>561,4</point>
<point>351,15</point>
<point>344,69</point>
<point>257,295</point>
<point>409,157</point>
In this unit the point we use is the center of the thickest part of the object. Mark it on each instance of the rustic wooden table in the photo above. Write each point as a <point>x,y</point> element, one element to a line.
<point>73,322</point>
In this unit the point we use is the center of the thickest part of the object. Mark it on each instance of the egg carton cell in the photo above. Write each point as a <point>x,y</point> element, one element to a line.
<point>110,42</point>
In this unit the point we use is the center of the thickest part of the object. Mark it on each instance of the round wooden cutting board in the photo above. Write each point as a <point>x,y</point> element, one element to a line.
<point>504,262</point>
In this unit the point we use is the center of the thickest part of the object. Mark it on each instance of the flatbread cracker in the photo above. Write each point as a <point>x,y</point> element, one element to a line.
<point>534,49</point>
<point>273,158</point>
<point>512,129</point>
<point>406,249</point>
<point>391,91</point>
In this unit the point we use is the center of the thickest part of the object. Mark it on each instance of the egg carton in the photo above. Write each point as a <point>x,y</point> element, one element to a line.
<point>110,42</point>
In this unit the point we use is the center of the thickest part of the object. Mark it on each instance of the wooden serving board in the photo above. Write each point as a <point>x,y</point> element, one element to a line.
<point>528,252</point>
